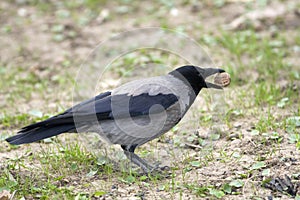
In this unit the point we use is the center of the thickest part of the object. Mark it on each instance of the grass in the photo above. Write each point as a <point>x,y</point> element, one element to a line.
<point>245,146</point>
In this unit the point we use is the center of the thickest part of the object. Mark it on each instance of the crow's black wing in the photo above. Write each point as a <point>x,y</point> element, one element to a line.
<point>106,107</point>
<point>123,105</point>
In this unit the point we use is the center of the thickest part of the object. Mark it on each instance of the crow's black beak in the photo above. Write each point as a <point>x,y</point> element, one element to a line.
<point>211,71</point>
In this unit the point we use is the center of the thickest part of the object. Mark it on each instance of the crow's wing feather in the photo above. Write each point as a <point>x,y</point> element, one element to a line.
<point>122,105</point>
<point>107,107</point>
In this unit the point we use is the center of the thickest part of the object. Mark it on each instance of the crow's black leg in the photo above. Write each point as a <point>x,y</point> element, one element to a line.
<point>129,152</point>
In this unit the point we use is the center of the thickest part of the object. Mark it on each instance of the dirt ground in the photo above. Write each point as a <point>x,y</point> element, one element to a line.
<point>228,145</point>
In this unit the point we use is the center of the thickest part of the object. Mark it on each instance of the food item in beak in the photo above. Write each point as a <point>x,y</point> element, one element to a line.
<point>222,79</point>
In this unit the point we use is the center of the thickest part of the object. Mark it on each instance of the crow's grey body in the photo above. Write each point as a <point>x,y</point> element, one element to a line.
<point>129,115</point>
<point>120,131</point>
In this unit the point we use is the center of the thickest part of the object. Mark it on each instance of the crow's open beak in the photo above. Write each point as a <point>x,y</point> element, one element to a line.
<point>211,71</point>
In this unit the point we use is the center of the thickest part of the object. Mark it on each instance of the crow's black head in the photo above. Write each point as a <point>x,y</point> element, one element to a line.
<point>195,76</point>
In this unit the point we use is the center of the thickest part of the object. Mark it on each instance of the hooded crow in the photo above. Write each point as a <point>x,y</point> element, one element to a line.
<point>129,115</point>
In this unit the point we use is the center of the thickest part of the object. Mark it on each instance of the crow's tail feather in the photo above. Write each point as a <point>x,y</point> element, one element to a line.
<point>29,135</point>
